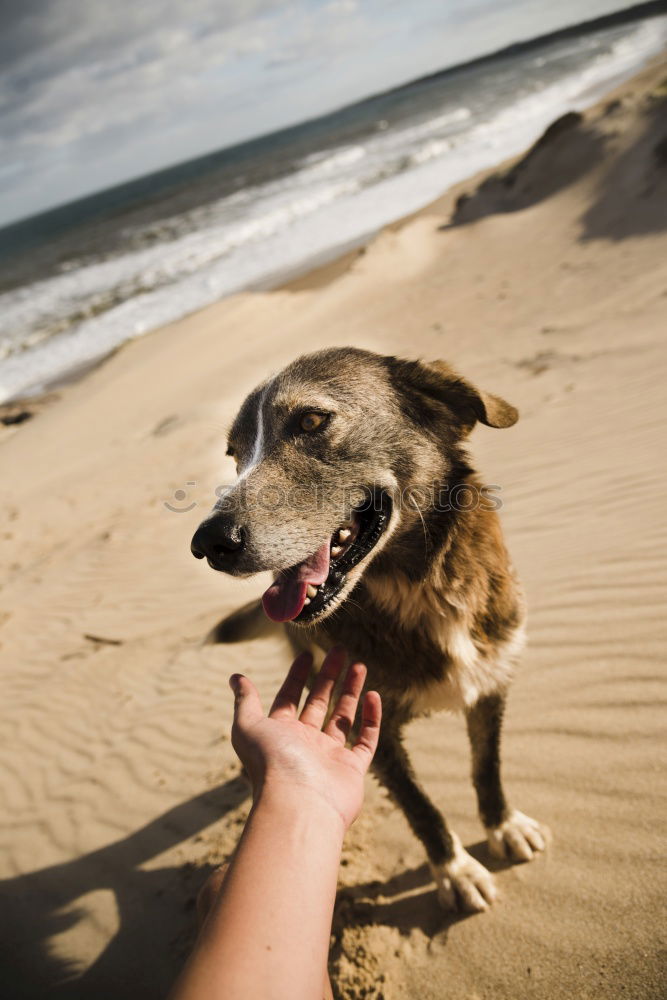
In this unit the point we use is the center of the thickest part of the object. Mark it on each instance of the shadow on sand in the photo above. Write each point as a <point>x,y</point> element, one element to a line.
<point>397,903</point>
<point>155,910</point>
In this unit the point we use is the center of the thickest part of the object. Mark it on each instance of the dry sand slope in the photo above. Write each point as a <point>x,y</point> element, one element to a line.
<point>119,786</point>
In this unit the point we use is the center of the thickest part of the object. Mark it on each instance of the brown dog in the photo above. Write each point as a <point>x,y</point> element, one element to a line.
<point>355,490</point>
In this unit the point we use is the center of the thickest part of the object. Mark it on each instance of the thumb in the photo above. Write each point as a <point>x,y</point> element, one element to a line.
<point>247,706</point>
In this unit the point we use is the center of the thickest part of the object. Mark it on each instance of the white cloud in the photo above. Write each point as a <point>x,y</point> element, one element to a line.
<point>342,7</point>
<point>253,43</point>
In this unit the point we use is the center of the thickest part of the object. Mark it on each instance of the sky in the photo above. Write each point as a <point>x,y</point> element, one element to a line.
<point>95,92</point>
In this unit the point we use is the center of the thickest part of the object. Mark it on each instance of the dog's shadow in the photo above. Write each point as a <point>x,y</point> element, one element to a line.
<point>399,903</point>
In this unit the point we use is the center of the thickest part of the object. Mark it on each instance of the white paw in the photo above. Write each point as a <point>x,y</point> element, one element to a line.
<point>464,884</point>
<point>518,838</point>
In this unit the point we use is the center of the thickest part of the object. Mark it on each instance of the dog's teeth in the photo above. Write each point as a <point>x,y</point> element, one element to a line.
<point>336,550</point>
<point>311,591</point>
<point>344,534</point>
<point>307,600</point>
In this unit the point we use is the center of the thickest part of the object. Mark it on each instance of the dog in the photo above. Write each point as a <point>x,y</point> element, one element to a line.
<point>354,488</point>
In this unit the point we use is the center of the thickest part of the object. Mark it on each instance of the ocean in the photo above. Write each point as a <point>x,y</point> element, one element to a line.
<point>78,281</point>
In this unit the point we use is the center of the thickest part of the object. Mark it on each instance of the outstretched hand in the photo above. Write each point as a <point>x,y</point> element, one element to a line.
<point>292,752</point>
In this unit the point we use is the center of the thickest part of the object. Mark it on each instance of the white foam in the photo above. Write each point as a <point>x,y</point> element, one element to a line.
<point>319,165</point>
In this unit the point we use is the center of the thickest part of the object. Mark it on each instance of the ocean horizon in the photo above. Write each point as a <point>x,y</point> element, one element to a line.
<point>79,280</point>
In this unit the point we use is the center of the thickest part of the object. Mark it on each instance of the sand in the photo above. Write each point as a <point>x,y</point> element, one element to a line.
<point>120,788</point>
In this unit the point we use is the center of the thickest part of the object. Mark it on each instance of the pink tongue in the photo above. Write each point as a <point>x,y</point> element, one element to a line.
<point>285,598</point>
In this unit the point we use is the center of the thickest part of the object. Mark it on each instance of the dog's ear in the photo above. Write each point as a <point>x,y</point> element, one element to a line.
<point>437,381</point>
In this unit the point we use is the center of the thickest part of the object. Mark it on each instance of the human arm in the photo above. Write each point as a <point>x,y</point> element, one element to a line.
<point>267,933</point>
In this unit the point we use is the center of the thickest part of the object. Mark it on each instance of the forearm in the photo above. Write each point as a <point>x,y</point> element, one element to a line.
<point>267,936</point>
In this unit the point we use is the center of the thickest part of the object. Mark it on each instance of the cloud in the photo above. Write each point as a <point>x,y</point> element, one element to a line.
<point>94,93</point>
<point>342,7</point>
<point>252,43</point>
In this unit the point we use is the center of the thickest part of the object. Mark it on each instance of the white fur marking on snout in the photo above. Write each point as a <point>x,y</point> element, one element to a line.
<point>258,444</point>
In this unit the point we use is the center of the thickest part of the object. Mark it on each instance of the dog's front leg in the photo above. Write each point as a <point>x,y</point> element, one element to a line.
<point>463,883</point>
<point>510,833</point>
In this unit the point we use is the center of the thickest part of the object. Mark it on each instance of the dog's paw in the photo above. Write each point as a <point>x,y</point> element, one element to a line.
<point>463,883</point>
<point>518,838</point>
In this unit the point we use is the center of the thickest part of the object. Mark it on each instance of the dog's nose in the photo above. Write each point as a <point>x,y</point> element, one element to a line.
<point>217,539</point>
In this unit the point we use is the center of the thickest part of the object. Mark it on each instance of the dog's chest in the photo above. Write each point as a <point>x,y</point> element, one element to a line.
<point>469,671</point>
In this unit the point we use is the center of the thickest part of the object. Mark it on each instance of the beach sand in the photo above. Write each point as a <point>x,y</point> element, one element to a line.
<point>120,789</point>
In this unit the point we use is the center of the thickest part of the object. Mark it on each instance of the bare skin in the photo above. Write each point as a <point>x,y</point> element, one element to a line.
<point>267,918</point>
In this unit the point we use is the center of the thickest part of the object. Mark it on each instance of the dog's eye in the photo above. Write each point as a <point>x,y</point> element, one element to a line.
<point>312,421</point>
<point>230,451</point>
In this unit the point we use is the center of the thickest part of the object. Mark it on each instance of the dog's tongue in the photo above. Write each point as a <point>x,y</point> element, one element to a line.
<point>285,598</point>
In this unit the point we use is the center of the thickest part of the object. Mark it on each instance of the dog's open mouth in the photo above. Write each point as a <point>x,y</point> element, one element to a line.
<point>303,592</point>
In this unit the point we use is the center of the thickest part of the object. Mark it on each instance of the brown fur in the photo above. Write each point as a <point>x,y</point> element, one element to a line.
<point>435,610</point>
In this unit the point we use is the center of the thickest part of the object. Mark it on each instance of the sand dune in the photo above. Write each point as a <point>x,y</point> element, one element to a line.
<point>546,284</point>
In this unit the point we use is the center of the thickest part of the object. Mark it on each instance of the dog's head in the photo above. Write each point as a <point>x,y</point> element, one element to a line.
<point>329,454</point>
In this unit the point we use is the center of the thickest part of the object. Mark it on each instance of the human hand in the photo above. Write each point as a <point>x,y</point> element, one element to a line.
<point>291,752</point>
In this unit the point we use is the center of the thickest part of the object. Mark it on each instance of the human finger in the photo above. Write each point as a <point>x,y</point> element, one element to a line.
<point>369,733</point>
<point>286,702</point>
<point>342,718</point>
<point>247,706</point>
<point>317,703</point>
